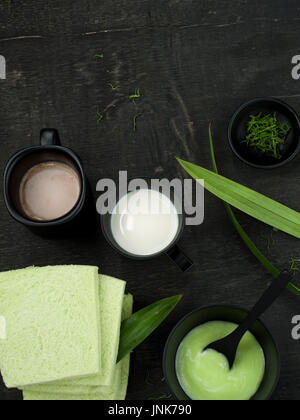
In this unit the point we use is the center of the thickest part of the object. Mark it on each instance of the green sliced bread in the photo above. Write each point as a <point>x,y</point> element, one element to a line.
<point>111,295</point>
<point>117,392</point>
<point>52,324</point>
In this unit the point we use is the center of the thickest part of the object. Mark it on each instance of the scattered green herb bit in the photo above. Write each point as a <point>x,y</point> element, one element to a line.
<point>295,265</point>
<point>254,204</point>
<point>136,95</point>
<point>162,397</point>
<point>140,325</point>
<point>100,116</point>
<point>163,379</point>
<point>265,134</point>
<point>99,56</point>
<point>135,118</point>
<point>113,87</point>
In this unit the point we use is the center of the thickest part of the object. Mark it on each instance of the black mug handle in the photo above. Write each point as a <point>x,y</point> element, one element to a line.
<point>177,255</point>
<point>49,137</point>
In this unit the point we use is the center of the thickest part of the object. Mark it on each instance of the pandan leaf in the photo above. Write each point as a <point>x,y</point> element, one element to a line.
<point>248,242</point>
<point>140,325</point>
<point>249,201</point>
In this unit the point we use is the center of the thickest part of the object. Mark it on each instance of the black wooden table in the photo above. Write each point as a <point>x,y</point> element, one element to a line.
<point>194,61</point>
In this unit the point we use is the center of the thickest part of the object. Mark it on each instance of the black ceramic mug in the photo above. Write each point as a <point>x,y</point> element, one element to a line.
<point>172,250</point>
<point>227,314</point>
<point>49,150</point>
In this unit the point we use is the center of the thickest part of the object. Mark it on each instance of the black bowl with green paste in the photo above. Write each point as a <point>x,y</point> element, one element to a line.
<point>265,133</point>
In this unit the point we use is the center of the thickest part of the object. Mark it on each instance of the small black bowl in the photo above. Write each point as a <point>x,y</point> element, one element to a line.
<point>237,132</point>
<point>222,313</point>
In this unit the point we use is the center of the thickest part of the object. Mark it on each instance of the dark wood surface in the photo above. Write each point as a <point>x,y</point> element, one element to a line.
<point>195,61</point>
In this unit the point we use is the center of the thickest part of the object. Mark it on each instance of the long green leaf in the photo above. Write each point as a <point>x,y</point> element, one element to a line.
<point>140,325</point>
<point>248,242</point>
<point>249,201</point>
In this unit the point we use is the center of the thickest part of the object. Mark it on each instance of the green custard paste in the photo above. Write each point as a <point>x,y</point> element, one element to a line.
<point>205,375</point>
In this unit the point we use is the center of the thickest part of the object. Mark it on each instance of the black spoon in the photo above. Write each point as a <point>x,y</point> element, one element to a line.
<point>229,345</point>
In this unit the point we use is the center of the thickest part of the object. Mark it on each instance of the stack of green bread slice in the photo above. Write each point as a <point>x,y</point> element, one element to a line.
<point>60,332</point>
